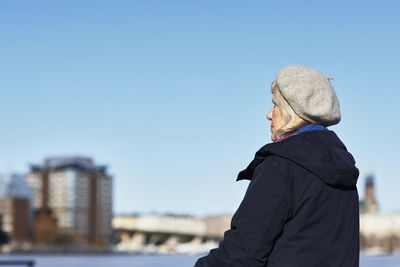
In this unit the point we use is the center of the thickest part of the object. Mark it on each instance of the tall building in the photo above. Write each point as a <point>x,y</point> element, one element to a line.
<point>16,208</point>
<point>73,201</point>
<point>369,204</point>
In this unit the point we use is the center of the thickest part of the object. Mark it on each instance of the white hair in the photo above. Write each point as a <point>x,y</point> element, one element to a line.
<point>291,119</point>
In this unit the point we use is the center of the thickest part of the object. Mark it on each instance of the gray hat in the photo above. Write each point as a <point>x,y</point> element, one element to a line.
<point>310,94</point>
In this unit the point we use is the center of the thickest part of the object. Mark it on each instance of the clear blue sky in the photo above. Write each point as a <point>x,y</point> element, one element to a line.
<point>172,95</point>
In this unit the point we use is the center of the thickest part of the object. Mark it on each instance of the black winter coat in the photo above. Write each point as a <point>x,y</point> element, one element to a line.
<point>300,208</point>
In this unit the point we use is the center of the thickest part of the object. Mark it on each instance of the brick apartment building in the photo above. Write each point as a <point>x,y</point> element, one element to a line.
<point>72,201</point>
<point>15,208</point>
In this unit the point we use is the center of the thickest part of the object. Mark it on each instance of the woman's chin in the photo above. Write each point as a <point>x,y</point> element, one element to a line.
<point>273,135</point>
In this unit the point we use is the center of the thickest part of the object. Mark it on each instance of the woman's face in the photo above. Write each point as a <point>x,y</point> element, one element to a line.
<point>275,116</point>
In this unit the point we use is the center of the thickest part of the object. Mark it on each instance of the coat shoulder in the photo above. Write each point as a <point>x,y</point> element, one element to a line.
<point>276,164</point>
<point>274,170</point>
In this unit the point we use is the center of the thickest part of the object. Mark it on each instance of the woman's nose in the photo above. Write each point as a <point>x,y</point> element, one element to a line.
<point>269,115</point>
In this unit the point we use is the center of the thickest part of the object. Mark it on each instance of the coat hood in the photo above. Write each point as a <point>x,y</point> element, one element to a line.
<point>320,152</point>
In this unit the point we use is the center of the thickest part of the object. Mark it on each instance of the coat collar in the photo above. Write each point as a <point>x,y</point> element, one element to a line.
<point>265,151</point>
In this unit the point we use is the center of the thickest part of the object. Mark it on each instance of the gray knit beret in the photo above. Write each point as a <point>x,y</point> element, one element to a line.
<point>310,94</point>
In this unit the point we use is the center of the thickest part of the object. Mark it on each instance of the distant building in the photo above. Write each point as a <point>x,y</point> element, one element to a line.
<point>16,208</point>
<point>369,203</point>
<point>217,225</point>
<point>73,201</point>
<point>380,233</point>
<point>161,224</point>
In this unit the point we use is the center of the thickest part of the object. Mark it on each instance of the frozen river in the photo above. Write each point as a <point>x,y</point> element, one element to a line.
<point>113,260</point>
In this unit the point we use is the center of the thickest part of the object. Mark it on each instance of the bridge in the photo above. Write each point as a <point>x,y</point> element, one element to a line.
<point>168,233</point>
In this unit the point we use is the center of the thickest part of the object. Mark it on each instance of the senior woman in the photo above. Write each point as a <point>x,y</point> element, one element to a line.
<point>301,206</point>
